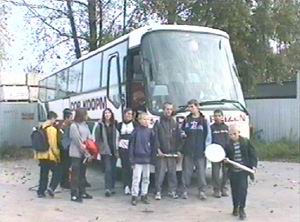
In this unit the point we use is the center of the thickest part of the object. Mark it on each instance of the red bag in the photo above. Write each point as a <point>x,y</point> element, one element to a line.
<point>92,147</point>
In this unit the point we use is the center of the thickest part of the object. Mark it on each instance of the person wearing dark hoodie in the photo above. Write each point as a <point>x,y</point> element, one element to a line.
<point>125,129</point>
<point>141,155</point>
<point>240,150</point>
<point>167,137</point>
<point>49,160</point>
<point>219,131</point>
<point>106,136</point>
<point>65,144</point>
<point>196,132</point>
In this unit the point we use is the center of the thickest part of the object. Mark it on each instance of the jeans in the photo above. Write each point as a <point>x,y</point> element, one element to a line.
<point>77,177</point>
<point>65,168</point>
<point>126,167</point>
<point>110,171</point>
<point>45,167</point>
<point>239,186</point>
<point>163,165</point>
<point>188,167</point>
<point>140,172</point>
<point>219,184</point>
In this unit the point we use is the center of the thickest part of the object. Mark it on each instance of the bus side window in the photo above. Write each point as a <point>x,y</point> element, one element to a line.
<point>113,81</point>
<point>42,116</point>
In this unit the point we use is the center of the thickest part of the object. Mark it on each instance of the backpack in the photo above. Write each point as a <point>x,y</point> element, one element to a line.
<point>39,140</point>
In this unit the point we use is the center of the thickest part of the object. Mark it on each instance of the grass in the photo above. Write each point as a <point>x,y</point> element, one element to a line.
<point>15,153</point>
<point>281,150</point>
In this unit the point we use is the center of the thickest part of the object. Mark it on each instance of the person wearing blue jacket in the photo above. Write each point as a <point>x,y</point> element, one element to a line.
<point>197,135</point>
<point>141,155</point>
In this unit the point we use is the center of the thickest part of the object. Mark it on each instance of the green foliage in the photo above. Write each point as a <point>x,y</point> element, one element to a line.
<point>15,153</point>
<point>282,150</point>
<point>265,34</point>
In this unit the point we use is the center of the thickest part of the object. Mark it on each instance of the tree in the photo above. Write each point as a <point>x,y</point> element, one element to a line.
<point>264,33</point>
<point>4,37</point>
<point>73,25</point>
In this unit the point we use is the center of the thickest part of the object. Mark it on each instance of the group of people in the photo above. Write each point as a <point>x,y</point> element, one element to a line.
<point>139,146</point>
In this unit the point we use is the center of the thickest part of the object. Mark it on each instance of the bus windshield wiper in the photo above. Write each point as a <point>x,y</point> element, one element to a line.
<point>182,108</point>
<point>235,103</point>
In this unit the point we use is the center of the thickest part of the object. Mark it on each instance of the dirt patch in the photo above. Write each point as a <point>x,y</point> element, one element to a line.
<point>274,196</point>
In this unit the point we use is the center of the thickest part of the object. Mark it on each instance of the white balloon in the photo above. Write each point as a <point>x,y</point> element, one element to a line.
<point>214,153</point>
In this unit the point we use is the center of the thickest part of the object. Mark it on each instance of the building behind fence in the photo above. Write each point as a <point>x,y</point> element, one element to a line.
<point>18,109</point>
<point>274,111</point>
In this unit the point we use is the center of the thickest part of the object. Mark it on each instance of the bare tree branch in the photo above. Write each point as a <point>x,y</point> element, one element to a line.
<point>36,6</point>
<point>74,1</point>
<point>114,21</point>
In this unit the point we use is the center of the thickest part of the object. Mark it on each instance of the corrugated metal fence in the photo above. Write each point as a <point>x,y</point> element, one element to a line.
<point>16,122</point>
<point>274,119</point>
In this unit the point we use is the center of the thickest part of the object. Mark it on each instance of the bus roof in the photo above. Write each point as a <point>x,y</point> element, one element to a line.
<point>135,36</point>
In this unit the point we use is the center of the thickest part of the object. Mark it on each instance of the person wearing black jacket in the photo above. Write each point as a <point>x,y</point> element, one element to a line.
<point>239,150</point>
<point>219,131</point>
<point>65,144</point>
<point>167,134</point>
<point>125,129</point>
<point>196,131</point>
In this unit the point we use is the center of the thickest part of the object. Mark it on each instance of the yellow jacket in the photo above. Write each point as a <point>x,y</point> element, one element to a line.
<point>53,154</point>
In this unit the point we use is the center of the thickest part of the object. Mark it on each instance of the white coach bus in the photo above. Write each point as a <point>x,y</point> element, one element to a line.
<point>147,67</point>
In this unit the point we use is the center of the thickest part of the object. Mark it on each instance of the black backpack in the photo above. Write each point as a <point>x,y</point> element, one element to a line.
<point>39,140</point>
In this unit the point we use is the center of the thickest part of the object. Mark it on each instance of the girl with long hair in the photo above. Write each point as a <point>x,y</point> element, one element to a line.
<point>106,136</point>
<point>79,132</point>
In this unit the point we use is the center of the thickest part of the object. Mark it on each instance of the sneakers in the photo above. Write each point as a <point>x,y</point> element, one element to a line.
<point>86,196</point>
<point>133,201</point>
<point>242,214</point>
<point>41,195</point>
<point>50,192</point>
<point>87,184</point>
<point>76,199</point>
<point>127,190</point>
<point>65,185</point>
<point>173,195</point>
<point>217,194</point>
<point>235,211</point>
<point>202,195</point>
<point>224,193</point>
<point>107,193</point>
<point>157,196</point>
<point>144,199</point>
<point>185,195</point>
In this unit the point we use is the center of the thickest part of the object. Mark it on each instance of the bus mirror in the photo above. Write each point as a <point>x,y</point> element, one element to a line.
<point>159,90</point>
<point>123,100</point>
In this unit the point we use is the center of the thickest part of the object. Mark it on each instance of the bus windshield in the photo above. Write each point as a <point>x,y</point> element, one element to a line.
<point>181,65</point>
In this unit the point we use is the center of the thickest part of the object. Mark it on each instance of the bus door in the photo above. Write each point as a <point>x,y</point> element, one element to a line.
<point>113,81</point>
<point>136,88</point>
<point>113,77</point>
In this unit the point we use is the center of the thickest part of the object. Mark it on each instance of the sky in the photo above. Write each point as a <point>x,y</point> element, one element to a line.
<point>22,50</point>
<point>18,50</point>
